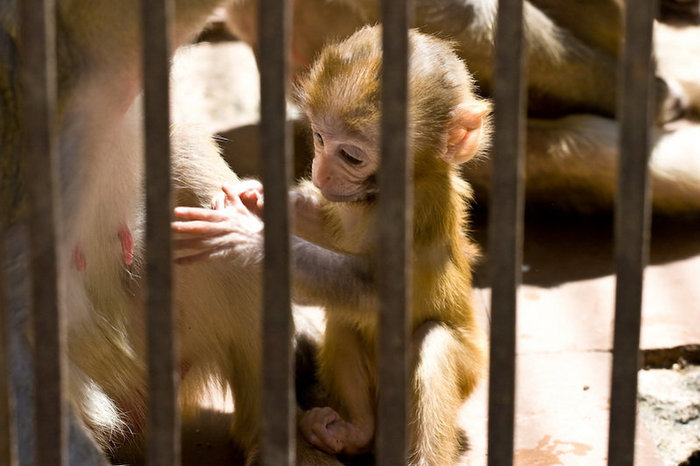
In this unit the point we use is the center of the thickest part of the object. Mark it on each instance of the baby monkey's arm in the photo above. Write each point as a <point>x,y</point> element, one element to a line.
<point>231,226</point>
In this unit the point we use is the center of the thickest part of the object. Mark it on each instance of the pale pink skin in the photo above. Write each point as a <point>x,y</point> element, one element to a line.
<point>324,428</point>
<point>126,240</point>
<point>79,261</point>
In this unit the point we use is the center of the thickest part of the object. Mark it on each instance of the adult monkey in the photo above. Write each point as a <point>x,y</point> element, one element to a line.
<point>573,58</point>
<point>101,238</point>
<point>583,54</point>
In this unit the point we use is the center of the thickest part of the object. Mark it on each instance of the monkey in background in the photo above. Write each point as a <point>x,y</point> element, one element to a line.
<point>334,252</point>
<point>572,49</point>
<point>573,55</point>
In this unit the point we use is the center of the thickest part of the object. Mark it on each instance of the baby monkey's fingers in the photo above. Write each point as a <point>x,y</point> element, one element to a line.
<point>238,246</point>
<point>199,213</point>
<point>227,196</point>
<point>218,202</point>
<point>229,193</point>
<point>250,194</point>
<point>200,227</point>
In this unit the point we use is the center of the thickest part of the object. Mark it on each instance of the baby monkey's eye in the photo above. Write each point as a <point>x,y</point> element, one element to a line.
<point>318,138</point>
<point>349,158</point>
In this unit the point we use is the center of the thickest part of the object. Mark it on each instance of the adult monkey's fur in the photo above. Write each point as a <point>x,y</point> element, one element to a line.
<point>573,51</point>
<point>101,233</point>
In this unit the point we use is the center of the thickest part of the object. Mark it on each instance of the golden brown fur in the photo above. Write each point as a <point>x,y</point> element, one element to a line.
<point>341,91</point>
<point>334,247</point>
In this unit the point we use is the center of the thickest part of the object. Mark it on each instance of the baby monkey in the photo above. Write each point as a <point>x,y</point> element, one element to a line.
<point>334,247</point>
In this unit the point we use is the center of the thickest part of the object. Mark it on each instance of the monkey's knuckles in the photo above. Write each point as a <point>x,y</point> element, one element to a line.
<point>326,441</point>
<point>356,439</point>
<point>246,226</point>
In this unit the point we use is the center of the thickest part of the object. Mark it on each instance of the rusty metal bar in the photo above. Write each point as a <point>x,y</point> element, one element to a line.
<point>631,225</point>
<point>277,410</point>
<point>506,227</point>
<point>37,79</point>
<point>395,239</point>
<point>163,422</point>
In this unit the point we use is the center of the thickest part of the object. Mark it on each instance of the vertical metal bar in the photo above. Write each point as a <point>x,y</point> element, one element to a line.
<point>37,109</point>
<point>506,226</point>
<point>278,416</point>
<point>6,433</point>
<point>395,238</point>
<point>163,424</point>
<point>631,225</point>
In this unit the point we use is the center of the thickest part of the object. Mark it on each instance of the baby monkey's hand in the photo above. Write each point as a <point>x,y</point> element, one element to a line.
<point>250,192</point>
<point>232,227</point>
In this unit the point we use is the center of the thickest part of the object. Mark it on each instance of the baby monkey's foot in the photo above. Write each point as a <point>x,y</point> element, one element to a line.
<point>326,430</point>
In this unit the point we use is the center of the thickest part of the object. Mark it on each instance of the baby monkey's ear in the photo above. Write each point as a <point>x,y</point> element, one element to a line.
<point>465,133</point>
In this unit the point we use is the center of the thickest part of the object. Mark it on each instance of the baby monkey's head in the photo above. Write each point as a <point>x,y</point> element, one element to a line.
<point>341,96</point>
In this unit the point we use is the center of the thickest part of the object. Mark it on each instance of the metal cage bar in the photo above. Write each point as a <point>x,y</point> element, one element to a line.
<point>506,227</point>
<point>278,414</point>
<point>631,225</point>
<point>37,78</point>
<point>395,238</point>
<point>7,438</point>
<point>163,423</point>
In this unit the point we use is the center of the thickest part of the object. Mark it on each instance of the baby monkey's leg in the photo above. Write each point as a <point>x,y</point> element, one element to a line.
<point>348,426</point>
